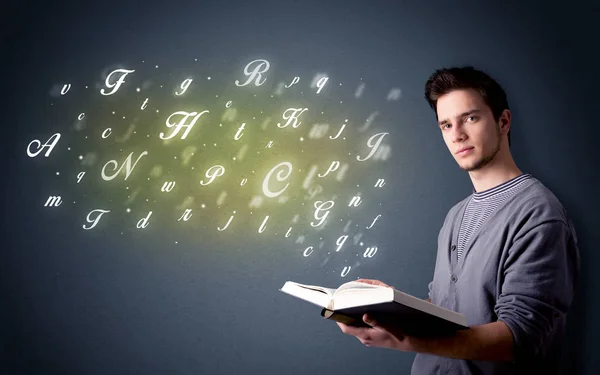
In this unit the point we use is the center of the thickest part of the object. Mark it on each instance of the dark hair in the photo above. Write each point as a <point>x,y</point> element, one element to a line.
<point>442,81</point>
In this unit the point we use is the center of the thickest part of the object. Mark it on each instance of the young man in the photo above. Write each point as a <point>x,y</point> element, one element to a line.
<point>507,254</point>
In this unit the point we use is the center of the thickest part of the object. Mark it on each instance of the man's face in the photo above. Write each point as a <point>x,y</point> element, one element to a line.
<point>467,122</point>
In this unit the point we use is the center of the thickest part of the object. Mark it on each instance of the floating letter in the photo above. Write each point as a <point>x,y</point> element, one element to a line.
<point>380,183</point>
<point>65,89</point>
<point>126,164</point>
<point>319,206</point>
<point>117,84</point>
<point>356,200</point>
<point>294,81</point>
<point>238,134</point>
<point>339,132</point>
<point>374,220</point>
<point>293,115</point>
<point>143,223</point>
<point>184,86</point>
<point>370,252</point>
<point>306,251</point>
<point>346,270</point>
<point>212,173</point>
<point>168,186</point>
<point>107,130</point>
<point>228,222</point>
<point>281,176</point>
<point>261,67</point>
<point>262,226</point>
<point>94,222</point>
<point>53,201</point>
<point>340,241</point>
<point>186,215</point>
<point>181,123</point>
<point>373,146</point>
<point>332,168</point>
<point>50,143</point>
<point>80,176</point>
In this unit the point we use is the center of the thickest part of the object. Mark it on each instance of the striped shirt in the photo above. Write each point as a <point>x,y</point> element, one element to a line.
<point>482,205</point>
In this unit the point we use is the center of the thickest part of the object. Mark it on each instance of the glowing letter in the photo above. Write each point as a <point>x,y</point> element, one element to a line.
<point>80,176</point>
<point>256,73</point>
<point>181,123</point>
<point>262,226</point>
<point>379,137</point>
<point>281,176</point>
<point>380,183</point>
<point>186,215</point>
<point>184,86</point>
<point>53,201</point>
<point>39,146</point>
<point>94,222</point>
<point>144,104</point>
<point>65,89</point>
<point>339,132</point>
<point>126,164</point>
<point>107,130</point>
<point>168,186</point>
<point>332,168</point>
<point>292,116</point>
<point>238,135</point>
<point>143,223</point>
<point>228,222</point>
<point>370,252</point>
<point>374,220</point>
<point>319,206</point>
<point>307,249</point>
<point>346,270</point>
<point>340,241</point>
<point>355,201</point>
<point>321,83</point>
<point>117,84</point>
<point>294,81</point>
<point>212,173</point>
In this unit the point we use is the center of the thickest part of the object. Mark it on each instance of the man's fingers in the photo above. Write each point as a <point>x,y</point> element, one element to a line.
<point>351,330</point>
<point>372,282</point>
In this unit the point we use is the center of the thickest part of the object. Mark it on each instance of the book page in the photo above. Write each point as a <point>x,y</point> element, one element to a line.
<point>328,291</point>
<point>356,286</point>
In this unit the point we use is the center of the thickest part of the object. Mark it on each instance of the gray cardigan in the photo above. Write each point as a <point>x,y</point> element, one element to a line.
<point>521,267</point>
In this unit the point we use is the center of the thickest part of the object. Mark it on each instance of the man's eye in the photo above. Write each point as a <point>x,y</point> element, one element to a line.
<point>472,117</point>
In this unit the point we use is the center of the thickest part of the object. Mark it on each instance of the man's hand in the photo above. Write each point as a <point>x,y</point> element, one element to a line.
<point>373,282</point>
<point>382,335</point>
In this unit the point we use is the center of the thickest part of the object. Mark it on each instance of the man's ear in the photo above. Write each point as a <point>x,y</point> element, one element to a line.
<point>504,121</point>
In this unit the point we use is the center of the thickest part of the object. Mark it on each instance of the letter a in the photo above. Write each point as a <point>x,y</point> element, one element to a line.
<point>50,143</point>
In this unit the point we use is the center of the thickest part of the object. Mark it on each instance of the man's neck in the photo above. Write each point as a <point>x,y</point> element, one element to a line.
<point>493,175</point>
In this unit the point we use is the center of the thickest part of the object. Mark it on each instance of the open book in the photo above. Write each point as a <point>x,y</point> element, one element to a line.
<point>351,300</point>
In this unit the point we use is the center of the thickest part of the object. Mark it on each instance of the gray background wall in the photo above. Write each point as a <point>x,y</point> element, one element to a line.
<point>104,303</point>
